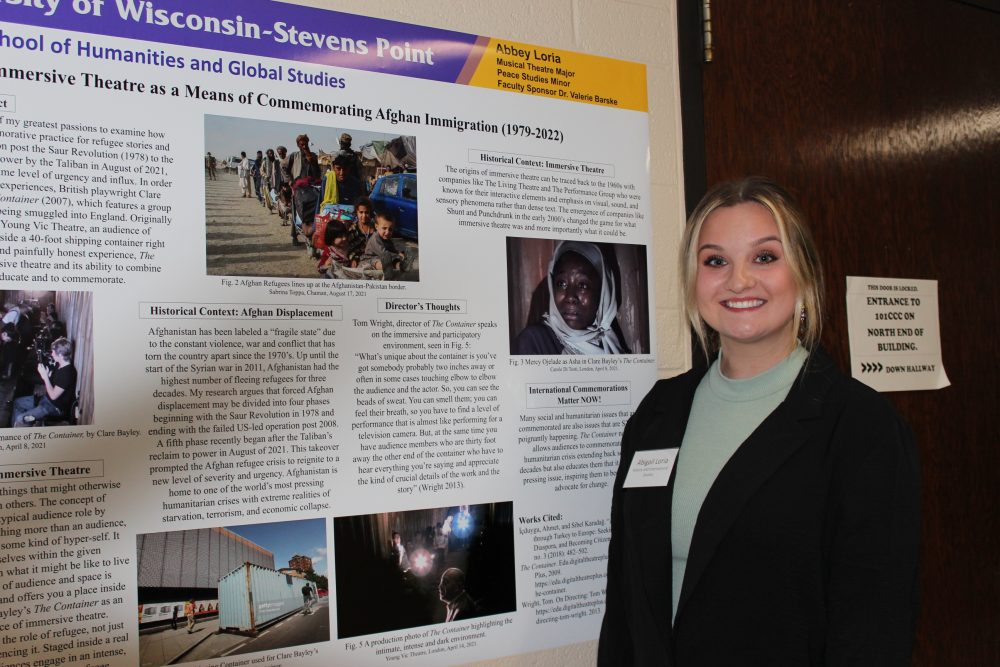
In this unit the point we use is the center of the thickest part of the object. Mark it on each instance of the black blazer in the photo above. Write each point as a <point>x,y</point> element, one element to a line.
<point>805,551</point>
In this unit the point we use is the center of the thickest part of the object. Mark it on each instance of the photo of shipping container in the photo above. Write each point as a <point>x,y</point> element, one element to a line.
<point>252,597</point>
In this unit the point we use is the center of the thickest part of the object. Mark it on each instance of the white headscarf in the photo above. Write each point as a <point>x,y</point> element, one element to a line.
<point>598,338</point>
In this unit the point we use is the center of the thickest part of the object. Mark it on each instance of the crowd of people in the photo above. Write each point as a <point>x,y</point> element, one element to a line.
<point>326,209</point>
<point>38,358</point>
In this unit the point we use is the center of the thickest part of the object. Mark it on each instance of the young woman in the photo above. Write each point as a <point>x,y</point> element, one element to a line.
<point>788,530</point>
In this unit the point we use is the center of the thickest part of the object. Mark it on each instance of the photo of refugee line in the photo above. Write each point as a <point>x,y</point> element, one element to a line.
<point>210,592</point>
<point>46,358</point>
<point>398,570</point>
<point>305,201</point>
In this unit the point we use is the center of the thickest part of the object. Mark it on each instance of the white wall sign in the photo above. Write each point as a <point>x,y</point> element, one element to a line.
<point>894,333</point>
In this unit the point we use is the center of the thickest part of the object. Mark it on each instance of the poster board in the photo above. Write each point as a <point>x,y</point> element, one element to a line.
<point>233,405</point>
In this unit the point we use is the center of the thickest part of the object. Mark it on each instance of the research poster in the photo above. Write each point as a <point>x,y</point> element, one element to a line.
<point>319,335</point>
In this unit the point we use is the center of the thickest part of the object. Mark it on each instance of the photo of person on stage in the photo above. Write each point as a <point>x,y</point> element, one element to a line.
<point>568,297</point>
<point>439,565</point>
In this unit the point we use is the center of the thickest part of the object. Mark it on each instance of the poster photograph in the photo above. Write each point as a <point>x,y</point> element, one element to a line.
<point>235,589</point>
<point>46,359</point>
<point>439,565</point>
<point>298,201</point>
<point>318,406</point>
<point>577,297</point>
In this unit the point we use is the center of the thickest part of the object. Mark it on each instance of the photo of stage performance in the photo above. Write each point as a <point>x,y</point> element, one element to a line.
<point>577,297</point>
<point>46,358</point>
<point>406,569</point>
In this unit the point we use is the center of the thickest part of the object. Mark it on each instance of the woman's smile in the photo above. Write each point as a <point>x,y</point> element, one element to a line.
<point>743,304</point>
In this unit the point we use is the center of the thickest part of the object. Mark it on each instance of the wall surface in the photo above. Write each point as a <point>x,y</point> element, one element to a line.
<point>638,30</point>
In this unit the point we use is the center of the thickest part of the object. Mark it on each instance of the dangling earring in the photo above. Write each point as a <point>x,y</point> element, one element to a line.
<point>802,321</point>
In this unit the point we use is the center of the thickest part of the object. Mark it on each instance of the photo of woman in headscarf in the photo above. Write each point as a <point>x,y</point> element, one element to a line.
<point>576,297</point>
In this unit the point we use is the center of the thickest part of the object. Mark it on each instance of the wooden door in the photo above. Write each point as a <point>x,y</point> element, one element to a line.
<point>883,117</point>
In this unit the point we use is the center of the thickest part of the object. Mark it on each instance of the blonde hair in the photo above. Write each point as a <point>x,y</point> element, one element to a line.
<point>800,254</point>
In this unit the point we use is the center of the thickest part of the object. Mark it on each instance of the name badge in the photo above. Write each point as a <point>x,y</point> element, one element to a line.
<point>651,467</point>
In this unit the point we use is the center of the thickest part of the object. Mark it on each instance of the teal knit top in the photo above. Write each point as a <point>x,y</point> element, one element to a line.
<point>724,414</point>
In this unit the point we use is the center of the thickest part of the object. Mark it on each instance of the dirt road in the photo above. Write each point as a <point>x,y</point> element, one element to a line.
<point>244,239</point>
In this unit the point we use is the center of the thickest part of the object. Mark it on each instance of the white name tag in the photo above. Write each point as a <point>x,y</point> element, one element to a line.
<point>651,467</point>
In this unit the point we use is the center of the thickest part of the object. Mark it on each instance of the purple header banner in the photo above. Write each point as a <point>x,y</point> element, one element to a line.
<point>261,28</point>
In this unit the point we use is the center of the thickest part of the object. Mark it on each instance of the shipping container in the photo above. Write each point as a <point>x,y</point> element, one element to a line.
<point>251,597</point>
<point>194,558</point>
